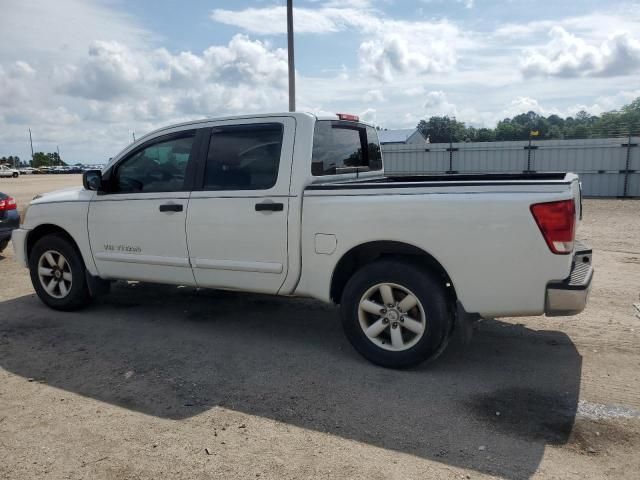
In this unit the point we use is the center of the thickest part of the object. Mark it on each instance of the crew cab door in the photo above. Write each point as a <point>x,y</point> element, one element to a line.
<point>237,219</point>
<point>137,225</point>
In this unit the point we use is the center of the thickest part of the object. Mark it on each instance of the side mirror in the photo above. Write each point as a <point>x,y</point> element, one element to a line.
<point>92,180</point>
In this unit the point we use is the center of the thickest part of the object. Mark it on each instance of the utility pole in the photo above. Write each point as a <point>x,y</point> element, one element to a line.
<point>59,159</point>
<point>134,136</point>
<point>292,70</point>
<point>626,170</point>
<point>528,148</point>
<point>31,142</point>
<point>451,148</point>
<point>529,153</point>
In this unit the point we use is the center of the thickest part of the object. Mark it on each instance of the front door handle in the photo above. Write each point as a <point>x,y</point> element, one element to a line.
<point>171,207</point>
<point>269,207</point>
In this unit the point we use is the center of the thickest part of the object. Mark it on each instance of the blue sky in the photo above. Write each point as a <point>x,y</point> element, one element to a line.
<point>86,74</point>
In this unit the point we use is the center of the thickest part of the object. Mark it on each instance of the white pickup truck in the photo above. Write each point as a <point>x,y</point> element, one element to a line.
<point>9,172</point>
<point>295,204</point>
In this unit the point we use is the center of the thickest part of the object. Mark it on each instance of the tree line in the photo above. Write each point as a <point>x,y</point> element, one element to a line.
<point>617,123</point>
<point>11,160</point>
<point>40,159</point>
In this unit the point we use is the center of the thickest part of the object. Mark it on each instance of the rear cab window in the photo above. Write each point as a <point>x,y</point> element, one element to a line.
<point>341,147</point>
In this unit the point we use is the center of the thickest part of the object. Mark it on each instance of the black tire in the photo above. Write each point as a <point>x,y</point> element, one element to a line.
<point>15,175</point>
<point>78,295</point>
<point>3,244</point>
<point>424,286</point>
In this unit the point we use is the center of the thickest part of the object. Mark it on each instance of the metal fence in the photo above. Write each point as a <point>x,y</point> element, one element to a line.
<point>608,167</point>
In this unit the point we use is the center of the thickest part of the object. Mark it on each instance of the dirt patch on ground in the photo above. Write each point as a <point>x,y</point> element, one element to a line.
<point>528,413</point>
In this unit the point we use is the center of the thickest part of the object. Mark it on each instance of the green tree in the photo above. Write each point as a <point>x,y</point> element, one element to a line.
<point>12,160</point>
<point>485,135</point>
<point>40,159</point>
<point>442,130</point>
<point>52,159</point>
<point>620,123</point>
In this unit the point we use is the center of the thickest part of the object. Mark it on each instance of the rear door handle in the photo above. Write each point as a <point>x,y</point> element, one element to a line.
<point>269,207</point>
<point>171,207</point>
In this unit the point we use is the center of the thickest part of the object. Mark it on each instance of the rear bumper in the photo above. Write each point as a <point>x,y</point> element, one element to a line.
<point>569,296</point>
<point>19,241</point>
<point>9,220</point>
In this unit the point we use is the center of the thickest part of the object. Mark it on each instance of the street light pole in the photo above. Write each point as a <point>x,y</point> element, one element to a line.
<point>292,70</point>
<point>31,142</point>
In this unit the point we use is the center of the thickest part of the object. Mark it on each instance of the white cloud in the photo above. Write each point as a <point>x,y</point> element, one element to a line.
<point>111,70</point>
<point>465,3</point>
<point>272,20</point>
<point>118,89</point>
<point>14,82</point>
<point>374,95</point>
<point>369,116</point>
<point>567,55</point>
<point>593,27</point>
<point>523,105</point>
<point>392,53</point>
<point>47,30</point>
<point>388,47</point>
<point>605,103</point>
<point>436,103</point>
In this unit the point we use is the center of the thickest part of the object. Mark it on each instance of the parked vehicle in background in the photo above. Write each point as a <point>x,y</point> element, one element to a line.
<point>9,219</point>
<point>27,171</point>
<point>294,204</point>
<point>8,172</point>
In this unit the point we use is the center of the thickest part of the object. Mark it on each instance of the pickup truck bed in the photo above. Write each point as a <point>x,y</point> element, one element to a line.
<point>468,224</point>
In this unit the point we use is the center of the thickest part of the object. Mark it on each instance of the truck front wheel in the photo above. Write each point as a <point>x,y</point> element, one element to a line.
<point>395,314</point>
<point>58,273</point>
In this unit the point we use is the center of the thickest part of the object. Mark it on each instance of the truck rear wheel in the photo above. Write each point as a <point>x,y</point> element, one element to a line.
<point>58,273</point>
<point>395,314</point>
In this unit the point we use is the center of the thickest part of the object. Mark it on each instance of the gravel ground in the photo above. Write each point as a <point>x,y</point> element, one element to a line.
<point>165,382</point>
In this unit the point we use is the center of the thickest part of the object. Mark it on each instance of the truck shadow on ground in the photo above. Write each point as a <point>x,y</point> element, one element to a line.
<point>174,352</point>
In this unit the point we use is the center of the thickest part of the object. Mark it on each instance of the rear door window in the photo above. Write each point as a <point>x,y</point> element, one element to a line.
<point>344,147</point>
<point>243,157</point>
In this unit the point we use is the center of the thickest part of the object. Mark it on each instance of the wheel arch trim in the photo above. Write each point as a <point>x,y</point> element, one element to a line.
<point>43,229</point>
<point>364,253</point>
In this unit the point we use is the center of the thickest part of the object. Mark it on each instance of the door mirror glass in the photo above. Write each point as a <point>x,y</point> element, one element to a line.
<point>92,180</point>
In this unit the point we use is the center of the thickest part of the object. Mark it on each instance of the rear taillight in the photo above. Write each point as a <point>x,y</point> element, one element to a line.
<point>557,222</point>
<point>8,203</point>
